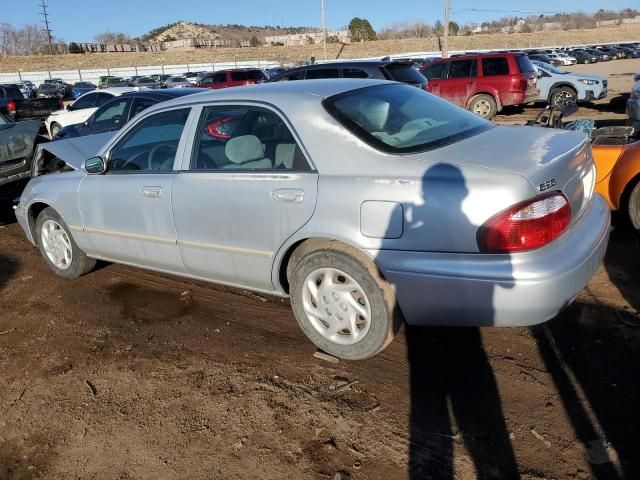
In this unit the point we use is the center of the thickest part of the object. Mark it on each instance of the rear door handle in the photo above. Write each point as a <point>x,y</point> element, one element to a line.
<point>288,195</point>
<point>152,192</point>
<point>434,84</point>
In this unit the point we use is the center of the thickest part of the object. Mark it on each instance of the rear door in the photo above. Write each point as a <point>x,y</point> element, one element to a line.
<point>220,80</point>
<point>496,78</point>
<point>461,81</point>
<point>246,187</point>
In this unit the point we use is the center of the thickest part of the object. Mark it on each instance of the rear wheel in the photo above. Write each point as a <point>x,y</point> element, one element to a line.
<point>58,247</point>
<point>341,301</point>
<point>633,206</point>
<point>484,105</point>
<point>562,96</point>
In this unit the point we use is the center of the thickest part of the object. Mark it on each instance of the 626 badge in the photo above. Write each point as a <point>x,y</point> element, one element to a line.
<point>547,185</point>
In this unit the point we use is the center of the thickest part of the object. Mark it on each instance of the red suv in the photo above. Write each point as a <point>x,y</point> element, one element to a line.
<point>483,83</point>
<point>232,78</point>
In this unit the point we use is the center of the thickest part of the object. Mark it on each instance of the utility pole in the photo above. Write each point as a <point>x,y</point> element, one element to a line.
<point>324,31</point>
<point>47,29</point>
<point>445,48</point>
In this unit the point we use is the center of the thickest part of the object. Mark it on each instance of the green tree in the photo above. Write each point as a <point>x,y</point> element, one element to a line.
<point>254,42</point>
<point>438,28</point>
<point>361,29</point>
<point>454,28</point>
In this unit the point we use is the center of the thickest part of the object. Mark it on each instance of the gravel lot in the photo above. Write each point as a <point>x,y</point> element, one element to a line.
<point>128,374</point>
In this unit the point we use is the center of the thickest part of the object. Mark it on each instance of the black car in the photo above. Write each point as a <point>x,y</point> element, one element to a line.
<point>582,57</point>
<point>541,57</point>
<point>114,114</point>
<point>400,71</point>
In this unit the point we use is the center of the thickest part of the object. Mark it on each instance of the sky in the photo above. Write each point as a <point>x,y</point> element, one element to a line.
<point>80,20</point>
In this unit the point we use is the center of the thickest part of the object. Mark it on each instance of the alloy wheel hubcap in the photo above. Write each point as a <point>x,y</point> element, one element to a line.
<point>56,244</point>
<point>336,306</point>
<point>563,97</point>
<point>482,108</point>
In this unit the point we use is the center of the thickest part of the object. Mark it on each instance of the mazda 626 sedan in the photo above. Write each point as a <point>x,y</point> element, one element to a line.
<point>366,202</point>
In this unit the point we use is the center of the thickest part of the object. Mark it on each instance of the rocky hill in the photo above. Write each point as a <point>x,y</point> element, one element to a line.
<point>182,30</point>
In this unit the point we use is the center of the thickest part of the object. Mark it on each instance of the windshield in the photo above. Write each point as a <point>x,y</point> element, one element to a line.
<point>403,119</point>
<point>405,74</point>
<point>178,79</point>
<point>550,68</point>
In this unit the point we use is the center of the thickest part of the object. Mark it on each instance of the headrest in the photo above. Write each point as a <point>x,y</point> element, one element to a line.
<point>243,149</point>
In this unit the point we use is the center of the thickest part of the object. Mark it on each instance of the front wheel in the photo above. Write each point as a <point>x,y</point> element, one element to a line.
<point>55,128</point>
<point>484,106</point>
<point>562,96</point>
<point>58,248</point>
<point>341,302</point>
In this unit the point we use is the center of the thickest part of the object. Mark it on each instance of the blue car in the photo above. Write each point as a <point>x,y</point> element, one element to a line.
<point>80,88</point>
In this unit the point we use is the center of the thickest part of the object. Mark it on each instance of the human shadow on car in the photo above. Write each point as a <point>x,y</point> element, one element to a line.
<point>454,395</point>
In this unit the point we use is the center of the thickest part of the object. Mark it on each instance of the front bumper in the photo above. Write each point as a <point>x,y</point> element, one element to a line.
<point>498,290</point>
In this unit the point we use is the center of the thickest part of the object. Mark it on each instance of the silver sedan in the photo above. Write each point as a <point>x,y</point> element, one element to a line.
<point>366,202</point>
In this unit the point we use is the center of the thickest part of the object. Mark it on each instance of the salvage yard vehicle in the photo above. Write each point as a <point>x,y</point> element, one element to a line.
<point>633,105</point>
<point>484,83</point>
<point>80,88</point>
<point>397,70</point>
<point>177,82</point>
<point>17,142</point>
<point>81,109</point>
<point>366,202</point>
<point>17,108</point>
<point>232,78</point>
<point>115,113</point>
<point>559,86</point>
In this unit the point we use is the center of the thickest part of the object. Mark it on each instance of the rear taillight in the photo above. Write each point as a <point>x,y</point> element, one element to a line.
<point>527,225</point>
<point>61,105</point>
<point>11,106</point>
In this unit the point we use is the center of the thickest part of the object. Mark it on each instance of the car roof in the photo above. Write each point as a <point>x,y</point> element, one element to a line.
<point>118,90</point>
<point>287,91</point>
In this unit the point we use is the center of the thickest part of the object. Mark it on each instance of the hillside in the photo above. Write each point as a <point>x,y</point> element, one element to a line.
<point>287,55</point>
<point>182,30</point>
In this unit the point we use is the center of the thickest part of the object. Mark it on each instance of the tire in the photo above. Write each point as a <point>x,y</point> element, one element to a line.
<point>484,106</point>
<point>321,261</point>
<point>55,128</point>
<point>633,207</point>
<point>562,96</point>
<point>51,245</point>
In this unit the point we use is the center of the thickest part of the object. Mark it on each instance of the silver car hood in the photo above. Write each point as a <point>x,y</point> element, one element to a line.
<point>74,151</point>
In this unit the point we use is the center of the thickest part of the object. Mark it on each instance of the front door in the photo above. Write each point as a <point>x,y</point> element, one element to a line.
<point>460,79</point>
<point>436,74</point>
<point>126,212</point>
<point>245,190</point>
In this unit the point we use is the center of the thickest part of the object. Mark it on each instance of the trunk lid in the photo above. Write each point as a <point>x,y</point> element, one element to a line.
<point>550,159</point>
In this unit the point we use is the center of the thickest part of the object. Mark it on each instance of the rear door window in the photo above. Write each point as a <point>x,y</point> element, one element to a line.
<point>110,116</point>
<point>138,105</point>
<point>462,69</point>
<point>316,73</point>
<point>495,66</point>
<point>103,98</point>
<point>13,93</point>
<point>524,64</point>
<point>220,78</point>
<point>436,71</point>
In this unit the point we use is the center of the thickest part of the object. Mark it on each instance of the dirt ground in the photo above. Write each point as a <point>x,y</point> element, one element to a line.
<point>128,374</point>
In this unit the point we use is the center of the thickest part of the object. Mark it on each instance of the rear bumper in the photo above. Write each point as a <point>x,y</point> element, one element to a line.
<point>498,290</point>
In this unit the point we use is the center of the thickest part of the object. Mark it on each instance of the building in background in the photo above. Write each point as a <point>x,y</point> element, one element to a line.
<point>342,36</point>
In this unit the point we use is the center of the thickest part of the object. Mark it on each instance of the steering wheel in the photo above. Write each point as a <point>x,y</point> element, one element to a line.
<point>161,163</point>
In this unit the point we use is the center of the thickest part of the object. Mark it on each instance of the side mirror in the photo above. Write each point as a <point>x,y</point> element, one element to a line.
<point>540,74</point>
<point>95,165</point>
<point>69,108</point>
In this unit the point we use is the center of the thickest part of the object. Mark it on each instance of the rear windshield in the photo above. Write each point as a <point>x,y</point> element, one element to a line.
<point>84,85</point>
<point>13,93</point>
<point>248,75</point>
<point>405,74</point>
<point>48,86</point>
<point>524,64</point>
<point>403,119</point>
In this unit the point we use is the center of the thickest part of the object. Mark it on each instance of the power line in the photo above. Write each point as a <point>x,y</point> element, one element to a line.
<point>45,20</point>
<point>531,12</point>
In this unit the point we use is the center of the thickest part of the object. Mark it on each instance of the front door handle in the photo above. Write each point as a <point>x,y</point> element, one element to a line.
<point>152,192</point>
<point>288,195</point>
<point>434,84</point>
